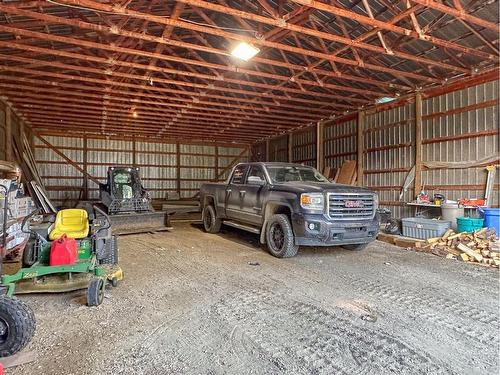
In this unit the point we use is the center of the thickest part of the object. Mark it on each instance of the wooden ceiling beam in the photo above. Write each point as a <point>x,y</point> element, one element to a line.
<point>193,125</point>
<point>327,36</point>
<point>212,87</point>
<point>394,28</point>
<point>56,123</point>
<point>79,91</point>
<point>254,40</point>
<point>41,106</point>
<point>142,36</point>
<point>26,99</point>
<point>459,14</point>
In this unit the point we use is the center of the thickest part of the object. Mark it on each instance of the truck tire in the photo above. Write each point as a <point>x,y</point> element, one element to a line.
<point>210,222</point>
<point>17,325</point>
<point>356,247</point>
<point>279,237</point>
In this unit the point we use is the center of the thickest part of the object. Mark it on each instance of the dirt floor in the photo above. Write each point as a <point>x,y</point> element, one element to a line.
<point>197,303</point>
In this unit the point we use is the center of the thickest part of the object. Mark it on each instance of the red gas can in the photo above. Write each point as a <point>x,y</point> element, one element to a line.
<point>63,251</point>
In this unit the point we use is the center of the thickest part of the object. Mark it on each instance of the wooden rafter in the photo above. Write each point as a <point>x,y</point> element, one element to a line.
<point>164,69</point>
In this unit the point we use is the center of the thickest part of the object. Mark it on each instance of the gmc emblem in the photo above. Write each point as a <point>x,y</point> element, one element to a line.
<point>354,204</point>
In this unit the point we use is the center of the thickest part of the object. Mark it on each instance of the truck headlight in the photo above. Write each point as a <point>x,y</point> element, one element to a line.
<point>312,201</point>
<point>375,201</point>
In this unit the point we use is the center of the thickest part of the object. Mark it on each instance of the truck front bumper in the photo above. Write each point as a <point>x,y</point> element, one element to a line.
<point>333,233</point>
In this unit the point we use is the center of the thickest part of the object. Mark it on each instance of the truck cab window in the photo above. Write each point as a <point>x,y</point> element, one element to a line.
<point>256,171</point>
<point>239,174</point>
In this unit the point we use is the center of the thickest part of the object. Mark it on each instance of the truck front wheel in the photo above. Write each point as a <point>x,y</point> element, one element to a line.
<point>279,237</point>
<point>210,222</point>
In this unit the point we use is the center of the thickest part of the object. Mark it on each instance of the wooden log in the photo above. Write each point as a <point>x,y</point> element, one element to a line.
<point>464,257</point>
<point>448,233</point>
<point>471,253</point>
<point>456,235</point>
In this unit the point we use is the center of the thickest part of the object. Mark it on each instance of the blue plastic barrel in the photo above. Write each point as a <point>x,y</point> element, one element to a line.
<point>491,218</point>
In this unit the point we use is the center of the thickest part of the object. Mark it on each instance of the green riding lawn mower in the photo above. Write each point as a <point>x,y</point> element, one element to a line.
<point>71,251</point>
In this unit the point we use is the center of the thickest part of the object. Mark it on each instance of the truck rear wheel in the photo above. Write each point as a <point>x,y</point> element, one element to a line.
<point>210,222</point>
<point>279,237</point>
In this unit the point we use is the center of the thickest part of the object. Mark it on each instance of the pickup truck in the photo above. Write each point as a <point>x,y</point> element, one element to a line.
<point>290,205</point>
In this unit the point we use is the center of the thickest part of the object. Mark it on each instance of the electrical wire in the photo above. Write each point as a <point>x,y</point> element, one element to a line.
<point>181,19</point>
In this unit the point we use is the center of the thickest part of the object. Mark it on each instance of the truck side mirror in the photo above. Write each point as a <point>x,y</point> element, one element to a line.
<point>255,180</point>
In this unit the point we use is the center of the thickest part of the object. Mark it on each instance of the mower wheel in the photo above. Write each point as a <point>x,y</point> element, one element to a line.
<point>29,256</point>
<point>95,292</point>
<point>17,325</point>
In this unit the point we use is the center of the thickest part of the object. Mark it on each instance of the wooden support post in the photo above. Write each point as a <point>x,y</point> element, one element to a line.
<point>320,158</point>
<point>418,143</point>
<point>178,168</point>
<point>9,154</point>
<point>267,150</point>
<point>360,145</point>
<point>216,162</point>
<point>134,153</point>
<point>21,138</point>
<point>290,147</point>
<point>85,169</point>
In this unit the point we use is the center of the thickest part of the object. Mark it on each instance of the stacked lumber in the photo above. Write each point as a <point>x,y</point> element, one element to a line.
<point>481,246</point>
<point>347,173</point>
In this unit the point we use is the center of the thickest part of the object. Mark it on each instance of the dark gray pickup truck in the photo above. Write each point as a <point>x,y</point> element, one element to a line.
<point>291,205</point>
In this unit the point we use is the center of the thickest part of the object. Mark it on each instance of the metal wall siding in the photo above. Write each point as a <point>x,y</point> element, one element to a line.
<point>146,159</point>
<point>157,163</point>
<point>230,151</point>
<point>340,142</point>
<point>197,149</point>
<point>145,147</point>
<point>304,146</point>
<point>388,147</point>
<point>474,120</point>
<point>278,149</point>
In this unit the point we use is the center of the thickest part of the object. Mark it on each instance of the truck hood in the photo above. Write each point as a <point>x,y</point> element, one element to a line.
<point>318,187</point>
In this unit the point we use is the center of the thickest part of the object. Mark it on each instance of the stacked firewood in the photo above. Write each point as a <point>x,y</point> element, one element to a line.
<point>481,246</point>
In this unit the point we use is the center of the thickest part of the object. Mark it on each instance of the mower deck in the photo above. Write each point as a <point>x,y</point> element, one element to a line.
<point>65,282</point>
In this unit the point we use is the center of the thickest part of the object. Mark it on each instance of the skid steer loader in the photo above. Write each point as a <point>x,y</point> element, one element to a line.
<point>128,203</point>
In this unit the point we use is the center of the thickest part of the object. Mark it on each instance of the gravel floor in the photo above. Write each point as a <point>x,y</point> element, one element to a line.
<point>197,303</point>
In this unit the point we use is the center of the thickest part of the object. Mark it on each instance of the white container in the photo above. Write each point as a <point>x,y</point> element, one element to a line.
<point>450,212</point>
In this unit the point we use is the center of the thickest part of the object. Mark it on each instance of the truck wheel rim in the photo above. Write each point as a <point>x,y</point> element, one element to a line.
<point>277,236</point>
<point>4,331</point>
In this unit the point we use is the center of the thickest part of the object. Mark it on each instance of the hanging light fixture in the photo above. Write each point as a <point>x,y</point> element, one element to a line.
<point>244,51</point>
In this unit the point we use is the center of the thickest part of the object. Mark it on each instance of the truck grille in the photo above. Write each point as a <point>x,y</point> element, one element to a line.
<point>349,206</point>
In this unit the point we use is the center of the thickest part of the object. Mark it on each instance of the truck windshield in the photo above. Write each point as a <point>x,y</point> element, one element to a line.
<point>281,174</point>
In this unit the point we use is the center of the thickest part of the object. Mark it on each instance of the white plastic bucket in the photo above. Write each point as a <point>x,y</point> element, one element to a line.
<point>450,212</point>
